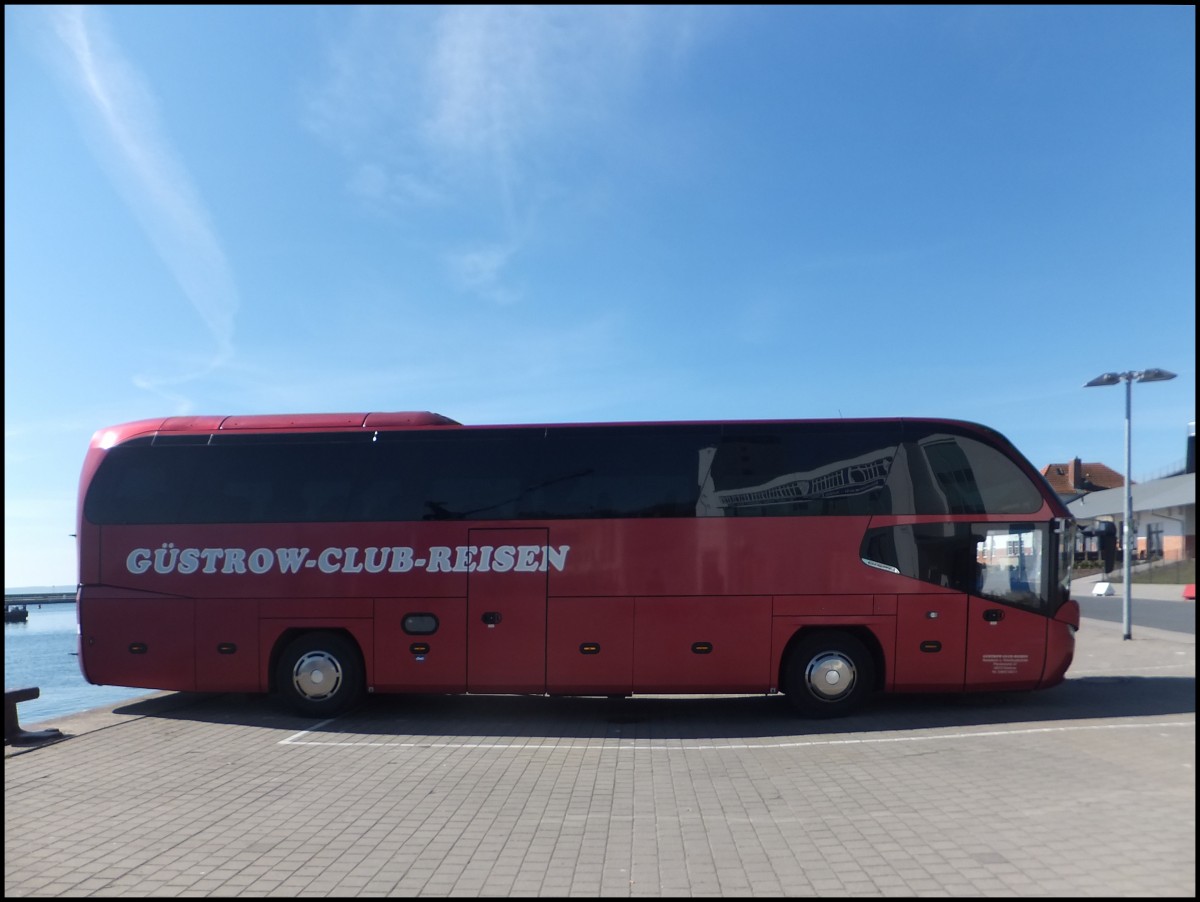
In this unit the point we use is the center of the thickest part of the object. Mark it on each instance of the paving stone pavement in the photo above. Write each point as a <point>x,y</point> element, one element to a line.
<point>1087,789</point>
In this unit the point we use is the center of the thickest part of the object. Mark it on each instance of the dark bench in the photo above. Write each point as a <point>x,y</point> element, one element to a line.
<point>13,734</point>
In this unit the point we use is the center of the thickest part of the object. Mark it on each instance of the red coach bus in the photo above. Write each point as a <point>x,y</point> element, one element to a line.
<point>324,556</point>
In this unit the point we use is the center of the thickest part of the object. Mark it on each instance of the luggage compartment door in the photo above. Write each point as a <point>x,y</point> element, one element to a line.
<point>506,611</point>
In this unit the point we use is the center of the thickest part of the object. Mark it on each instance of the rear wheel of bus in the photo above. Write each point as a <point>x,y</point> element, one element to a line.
<point>828,674</point>
<point>319,674</point>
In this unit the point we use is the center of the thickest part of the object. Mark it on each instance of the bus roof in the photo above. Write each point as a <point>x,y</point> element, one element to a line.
<point>298,422</point>
<point>323,422</point>
<point>423,419</point>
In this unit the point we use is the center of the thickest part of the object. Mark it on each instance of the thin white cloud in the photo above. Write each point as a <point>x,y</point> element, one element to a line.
<point>123,121</point>
<point>481,271</point>
<point>474,109</point>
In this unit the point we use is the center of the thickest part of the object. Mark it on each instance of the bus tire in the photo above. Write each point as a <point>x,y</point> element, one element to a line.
<point>319,675</point>
<point>828,674</point>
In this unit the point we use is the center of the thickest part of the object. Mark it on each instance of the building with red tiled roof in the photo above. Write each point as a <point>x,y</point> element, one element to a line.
<point>1070,480</point>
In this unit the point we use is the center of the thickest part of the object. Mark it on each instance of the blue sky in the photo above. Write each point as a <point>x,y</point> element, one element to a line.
<point>513,215</point>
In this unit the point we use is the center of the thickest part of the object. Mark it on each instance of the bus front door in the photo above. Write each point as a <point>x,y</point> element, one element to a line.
<point>506,611</point>
<point>1006,646</point>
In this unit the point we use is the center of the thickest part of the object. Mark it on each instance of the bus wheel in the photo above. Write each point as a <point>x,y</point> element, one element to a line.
<point>319,675</point>
<point>828,674</point>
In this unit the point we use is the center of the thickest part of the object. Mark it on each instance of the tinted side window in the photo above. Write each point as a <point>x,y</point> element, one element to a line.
<point>138,484</point>
<point>575,473</point>
<point>261,479</point>
<point>463,476</point>
<point>1006,562</point>
<point>622,472</point>
<point>239,479</point>
<point>942,473</point>
<point>943,554</point>
<point>788,471</point>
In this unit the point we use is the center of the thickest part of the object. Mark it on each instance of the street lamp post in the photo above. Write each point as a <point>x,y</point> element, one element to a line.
<point>1128,539</point>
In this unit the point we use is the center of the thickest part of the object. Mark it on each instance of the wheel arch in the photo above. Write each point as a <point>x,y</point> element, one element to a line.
<point>289,635</point>
<point>859,631</point>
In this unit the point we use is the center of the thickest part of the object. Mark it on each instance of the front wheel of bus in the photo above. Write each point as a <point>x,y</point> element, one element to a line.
<point>319,675</point>
<point>828,674</point>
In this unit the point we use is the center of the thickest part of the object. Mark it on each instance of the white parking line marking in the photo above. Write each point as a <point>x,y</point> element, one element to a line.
<point>607,744</point>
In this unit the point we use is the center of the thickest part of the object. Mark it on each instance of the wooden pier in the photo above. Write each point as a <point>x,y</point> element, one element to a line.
<point>46,598</point>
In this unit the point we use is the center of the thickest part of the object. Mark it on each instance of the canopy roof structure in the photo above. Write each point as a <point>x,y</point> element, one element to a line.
<point>1157,495</point>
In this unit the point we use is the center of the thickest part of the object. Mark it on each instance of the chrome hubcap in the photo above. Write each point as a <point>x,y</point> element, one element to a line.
<point>830,676</point>
<point>317,675</point>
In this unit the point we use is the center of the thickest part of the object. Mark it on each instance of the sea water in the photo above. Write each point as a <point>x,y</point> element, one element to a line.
<point>44,652</point>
